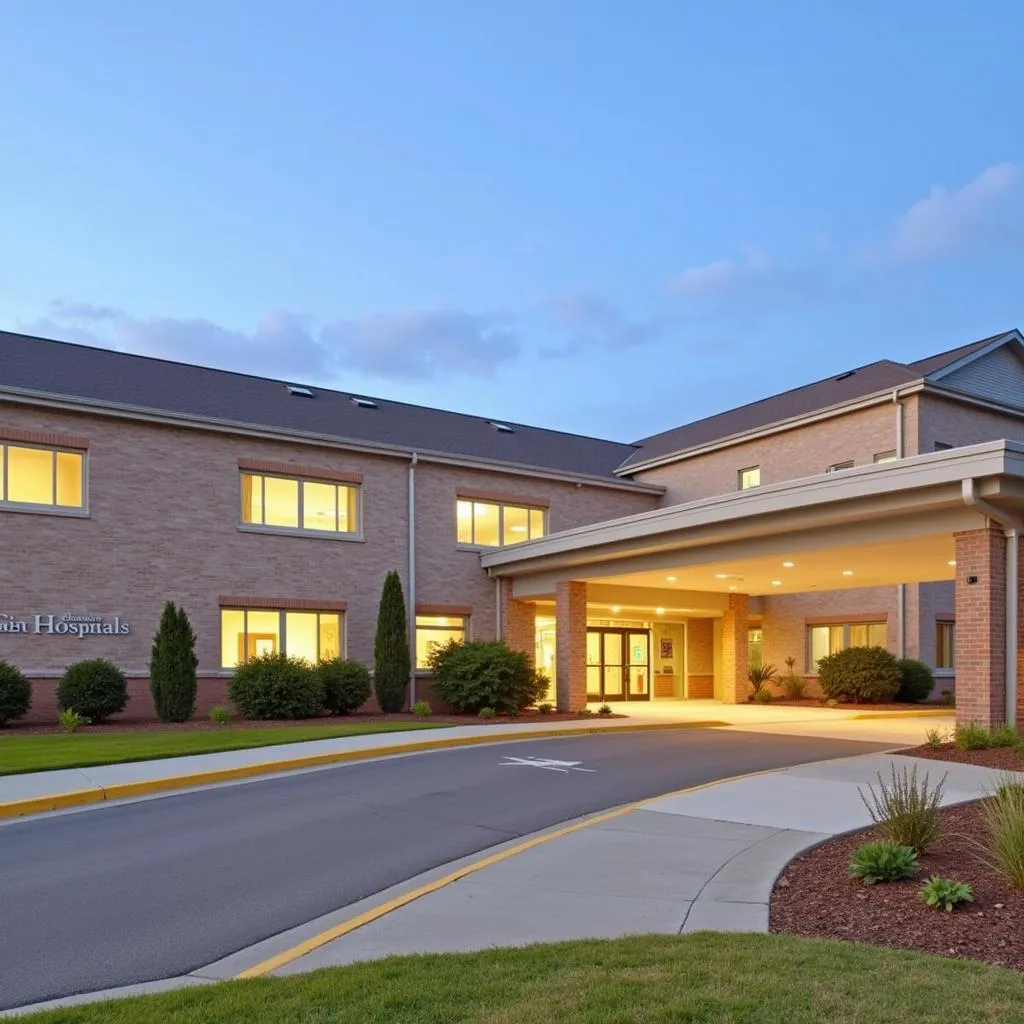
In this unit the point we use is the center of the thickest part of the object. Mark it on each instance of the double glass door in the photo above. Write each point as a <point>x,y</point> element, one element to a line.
<point>618,664</point>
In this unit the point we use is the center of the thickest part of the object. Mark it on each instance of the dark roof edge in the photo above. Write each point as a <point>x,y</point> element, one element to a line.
<point>120,410</point>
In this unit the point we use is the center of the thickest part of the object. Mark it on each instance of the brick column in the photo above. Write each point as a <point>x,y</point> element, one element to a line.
<point>735,684</point>
<point>981,626</point>
<point>571,645</point>
<point>518,622</point>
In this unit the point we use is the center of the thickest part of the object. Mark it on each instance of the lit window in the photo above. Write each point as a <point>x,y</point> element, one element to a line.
<point>835,467</point>
<point>248,633</point>
<point>436,631</point>
<point>889,456</point>
<point>755,647</point>
<point>945,645</point>
<point>307,506</point>
<point>47,477</point>
<point>491,524</point>
<point>830,639</point>
<point>750,477</point>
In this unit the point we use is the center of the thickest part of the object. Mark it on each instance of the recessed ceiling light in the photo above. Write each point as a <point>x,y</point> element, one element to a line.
<point>616,609</point>
<point>776,583</point>
<point>952,561</point>
<point>847,572</point>
<point>788,565</point>
<point>671,579</point>
<point>721,575</point>
<point>733,587</point>
<point>659,611</point>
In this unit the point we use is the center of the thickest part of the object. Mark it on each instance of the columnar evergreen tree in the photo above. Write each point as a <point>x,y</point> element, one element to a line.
<point>172,666</point>
<point>391,647</point>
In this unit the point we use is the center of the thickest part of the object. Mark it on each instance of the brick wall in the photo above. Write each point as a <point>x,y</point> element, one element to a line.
<point>700,658</point>
<point>571,645</point>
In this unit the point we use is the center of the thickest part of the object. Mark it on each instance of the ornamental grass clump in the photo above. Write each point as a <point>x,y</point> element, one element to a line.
<point>906,810</point>
<point>1004,817</point>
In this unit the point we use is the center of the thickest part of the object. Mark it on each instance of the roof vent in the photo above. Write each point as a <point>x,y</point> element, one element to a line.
<point>843,376</point>
<point>298,389</point>
<point>501,428</point>
<point>364,403</point>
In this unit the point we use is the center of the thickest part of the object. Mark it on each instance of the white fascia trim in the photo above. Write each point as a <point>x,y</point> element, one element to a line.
<point>977,461</point>
<point>117,410</point>
<point>963,361</point>
<point>778,427</point>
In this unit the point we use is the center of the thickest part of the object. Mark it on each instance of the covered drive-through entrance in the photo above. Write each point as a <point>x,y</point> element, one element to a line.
<point>722,570</point>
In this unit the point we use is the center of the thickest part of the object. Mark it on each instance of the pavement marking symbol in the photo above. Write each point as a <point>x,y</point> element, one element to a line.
<point>547,763</point>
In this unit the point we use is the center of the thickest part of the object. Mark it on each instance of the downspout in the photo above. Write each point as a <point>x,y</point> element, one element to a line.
<point>901,589</point>
<point>1012,529</point>
<point>412,577</point>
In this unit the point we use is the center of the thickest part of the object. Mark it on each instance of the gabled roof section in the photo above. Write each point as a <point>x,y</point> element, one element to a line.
<point>144,384</point>
<point>931,366</point>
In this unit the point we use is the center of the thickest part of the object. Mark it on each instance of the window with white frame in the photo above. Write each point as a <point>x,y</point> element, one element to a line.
<point>36,477</point>
<point>436,631</point>
<point>304,505</point>
<point>313,636</point>
<point>889,456</point>
<point>945,644</point>
<point>836,466</point>
<point>749,477</point>
<point>493,524</point>
<point>826,639</point>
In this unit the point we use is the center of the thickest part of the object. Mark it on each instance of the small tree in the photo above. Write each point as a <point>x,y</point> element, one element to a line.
<point>391,663</point>
<point>172,666</point>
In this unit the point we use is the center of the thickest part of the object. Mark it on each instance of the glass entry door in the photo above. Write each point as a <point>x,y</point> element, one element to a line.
<point>618,664</point>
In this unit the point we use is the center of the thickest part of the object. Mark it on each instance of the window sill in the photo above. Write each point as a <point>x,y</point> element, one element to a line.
<point>286,531</point>
<point>47,510</point>
<point>482,548</point>
<point>944,673</point>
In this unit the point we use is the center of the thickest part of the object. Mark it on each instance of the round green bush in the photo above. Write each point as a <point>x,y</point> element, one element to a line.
<point>15,693</point>
<point>96,689</point>
<point>346,685</point>
<point>916,681</point>
<point>864,675</point>
<point>486,674</point>
<point>276,686</point>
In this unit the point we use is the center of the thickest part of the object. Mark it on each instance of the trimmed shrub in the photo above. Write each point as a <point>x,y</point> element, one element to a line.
<point>944,893</point>
<point>485,674</point>
<point>882,861</point>
<point>172,666</point>
<point>346,685</point>
<point>220,715</point>
<point>276,686</point>
<point>916,681</point>
<point>421,709</point>
<point>864,675</point>
<point>95,688</point>
<point>391,663</point>
<point>15,693</point>
<point>907,810</point>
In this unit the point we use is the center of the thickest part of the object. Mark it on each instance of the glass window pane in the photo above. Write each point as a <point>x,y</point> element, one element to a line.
<point>877,634</point>
<point>30,475</point>
<point>232,637</point>
<point>434,631</point>
<point>301,635</point>
<point>750,477</point>
<point>536,523</point>
<point>858,635</point>
<point>889,456</point>
<point>464,522</point>
<point>485,525</point>
<point>320,506</point>
<point>515,525</point>
<point>348,509</point>
<point>755,645</point>
<point>263,633</point>
<point>3,456</point>
<point>252,498</point>
<point>69,479</point>
<point>944,645</point>
<point>820,644</point>
<point>281,501</point>
<point>330,636</point>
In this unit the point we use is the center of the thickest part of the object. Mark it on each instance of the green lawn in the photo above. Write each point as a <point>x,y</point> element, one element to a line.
<point>708,978</point>
<point>43,752</point>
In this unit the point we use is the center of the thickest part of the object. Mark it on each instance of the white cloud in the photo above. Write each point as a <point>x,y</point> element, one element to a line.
<point>755,281</point>
<point>951,220</point>
<point>591,322</point>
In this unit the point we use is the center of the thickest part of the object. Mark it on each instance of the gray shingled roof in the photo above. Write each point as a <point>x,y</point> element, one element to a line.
<point>102,375</point>
<point>843,387</point>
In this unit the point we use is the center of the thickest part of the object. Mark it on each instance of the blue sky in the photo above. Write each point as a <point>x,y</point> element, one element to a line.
<point>606,217</point>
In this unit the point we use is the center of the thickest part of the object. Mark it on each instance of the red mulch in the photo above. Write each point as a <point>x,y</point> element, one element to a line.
<point>815,702</point>
<point>203,725</point>
<point>816,897</point>
<point>1003,758</point>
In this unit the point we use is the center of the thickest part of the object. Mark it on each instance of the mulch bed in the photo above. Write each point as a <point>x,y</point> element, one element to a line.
<point>203,725</point>
<point>816,897</point>
<point>1002,758</point>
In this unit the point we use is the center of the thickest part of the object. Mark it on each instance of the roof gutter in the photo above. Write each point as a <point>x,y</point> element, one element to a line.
<point>1012,528</point>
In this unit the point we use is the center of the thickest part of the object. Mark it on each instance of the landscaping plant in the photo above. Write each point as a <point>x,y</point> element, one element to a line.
<point>1004,818</point>
<point>70,720</point>
<point>948,698</point>
<point>907,810</point>
<point>15,693</point>
<point>763,696</point>
<point>276,686</point>
<point>486,674</point>
<point>95,688</point>
<point>604,709</point>
<point>883,861</point>
<point>761,676</point>
<point>220,715</point>
<point>945,893</point>
<point>916,681</point>
<point>934,738</point>
<point>421,709</point>
<point>486,713</point>
<point>172,666</point>
<point>546,708</point>
<point>794,686</point>
<point>972,736</point>
<point>1004,735</point>
<point>346,685</point>
<point>864,675</point>
<point>391,662</point>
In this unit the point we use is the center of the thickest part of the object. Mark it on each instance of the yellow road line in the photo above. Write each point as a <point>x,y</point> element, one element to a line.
<point>338,931</point>
<point>937,713</point>
<point>77,798</point>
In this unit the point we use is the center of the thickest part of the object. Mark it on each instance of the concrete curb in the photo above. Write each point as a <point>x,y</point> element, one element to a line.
<point>100,794</point>
<point>936,713</point>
